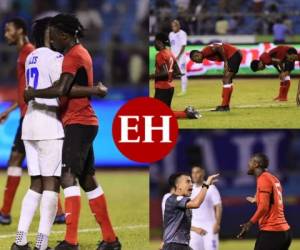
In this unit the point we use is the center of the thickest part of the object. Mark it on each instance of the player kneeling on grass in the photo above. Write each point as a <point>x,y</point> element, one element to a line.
<point>281,57</point>
<point>43,134</point>
<point>177,212</point>
<point>274,230</point>
<point>166,68</point>
<point>231,56</point>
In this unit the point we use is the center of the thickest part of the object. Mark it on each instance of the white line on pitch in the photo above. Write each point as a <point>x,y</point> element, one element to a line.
<point>87,230</point>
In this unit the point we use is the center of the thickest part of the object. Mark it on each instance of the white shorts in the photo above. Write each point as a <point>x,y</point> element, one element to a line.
<point>209,241</point>
<point>44,157</point>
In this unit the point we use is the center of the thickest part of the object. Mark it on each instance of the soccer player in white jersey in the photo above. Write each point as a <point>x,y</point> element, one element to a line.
<point>206,219</point>
<point>43,134</point>
<point>178,40</point>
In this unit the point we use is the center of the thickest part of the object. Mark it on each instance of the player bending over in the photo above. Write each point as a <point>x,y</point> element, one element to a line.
<point>16,34</point>
<point>206,220</point>
<point>178,40</point>
<point>274,231</point>
<point>278,57</point>
<point>231,56</point>
<point>80,127</point>
<point>178,215</point>
<point>166,69</point>
<point>43,134</point>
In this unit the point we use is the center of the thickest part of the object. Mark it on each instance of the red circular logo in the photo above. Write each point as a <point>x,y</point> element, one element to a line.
<point>145,129</point>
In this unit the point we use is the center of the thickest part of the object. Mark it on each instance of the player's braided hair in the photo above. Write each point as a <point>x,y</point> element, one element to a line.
<point>262,160</point>
<point>38,31</point>
<point>69,24</point>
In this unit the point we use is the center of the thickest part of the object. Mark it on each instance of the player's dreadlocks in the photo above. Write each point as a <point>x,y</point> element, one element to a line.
<point>69,24</point>
<point>262,160</point>
<point>38,31</point>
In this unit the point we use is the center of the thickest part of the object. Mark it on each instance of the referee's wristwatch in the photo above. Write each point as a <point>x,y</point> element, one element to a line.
<point>204,185</point>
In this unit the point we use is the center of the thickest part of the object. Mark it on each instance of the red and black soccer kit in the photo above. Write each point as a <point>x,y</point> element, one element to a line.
<point>78,117</point>
<point>164,89</point>
<point>232,54</point>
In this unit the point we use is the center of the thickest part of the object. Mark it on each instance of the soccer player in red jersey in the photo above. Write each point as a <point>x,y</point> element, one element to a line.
<point>231,56</point>
<point>166,69</point>
<point>274,231</point>
<point>81,126</point>
<point>278,57</point>
<point>16,34</point>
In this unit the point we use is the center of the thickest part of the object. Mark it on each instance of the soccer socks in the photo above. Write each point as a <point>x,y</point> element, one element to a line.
<point>184,83</point>
<point>226,94</point>
<point>284,89</point>
<point>99,209</point>
<point>60,210</point>
<point>48,210</point>
<point>12,183</point>
<point>180,114</point>
<point>30,203</point>
<point>72,212</point>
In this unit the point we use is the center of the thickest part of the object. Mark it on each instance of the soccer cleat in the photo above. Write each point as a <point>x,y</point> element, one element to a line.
<point>5,219</point>
<point>222,108</point>
<point>116,245</point>
<point>191,113</point>
<point>60,219</point>
<point>17,247</point>
<point>64,245</point>
<point>182,93</point>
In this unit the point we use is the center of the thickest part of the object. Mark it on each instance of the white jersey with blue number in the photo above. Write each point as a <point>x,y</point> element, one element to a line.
<point>41,122</point>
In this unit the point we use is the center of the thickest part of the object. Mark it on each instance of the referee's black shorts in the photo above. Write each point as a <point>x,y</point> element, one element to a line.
<point>18,145</point>
<point>78,153</point>
<point>164,95</point>
<point>234,62</point>
<point>175,246</point>
<point>272,240</point>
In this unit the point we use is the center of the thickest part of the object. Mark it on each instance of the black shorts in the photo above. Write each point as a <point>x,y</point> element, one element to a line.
<point>78,153</point>
<point>164,95</point>
<point>18,145</point>
<point>176,246</point>
<point>288,66</point>
<point>234,62</point>
<point>271,240</point>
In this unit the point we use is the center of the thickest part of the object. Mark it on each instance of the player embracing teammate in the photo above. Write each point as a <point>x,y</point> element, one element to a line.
<point>80,128</point>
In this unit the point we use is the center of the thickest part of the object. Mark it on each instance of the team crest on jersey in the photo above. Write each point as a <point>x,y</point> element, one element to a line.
<point>179,198</point>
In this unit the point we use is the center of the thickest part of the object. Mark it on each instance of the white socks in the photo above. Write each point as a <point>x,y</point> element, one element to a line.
<point>48,211</point>
<point>184,83</point>
<point>30,203</point>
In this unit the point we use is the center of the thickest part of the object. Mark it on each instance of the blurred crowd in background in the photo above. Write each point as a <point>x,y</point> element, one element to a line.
<point>221,17</point>
<point>115,35</point>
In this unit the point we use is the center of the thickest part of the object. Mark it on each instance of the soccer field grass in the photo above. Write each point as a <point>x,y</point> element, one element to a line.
<point>235,245</point>
<point>252,104</point>
<point>127,194</point>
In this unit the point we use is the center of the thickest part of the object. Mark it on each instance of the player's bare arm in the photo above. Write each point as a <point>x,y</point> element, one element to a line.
<point>4,115</point>
<point>162,75</point>
<point>218,213</point>
<point>262,209</point>
<point>176,71</point>
<point>199,230</point>
<point>196,202</point>
<point>78,91</point>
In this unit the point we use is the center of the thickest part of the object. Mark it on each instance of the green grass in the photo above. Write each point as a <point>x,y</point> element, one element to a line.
<point>234,245</point>
<point>252,104</point>
<point>127,194</point>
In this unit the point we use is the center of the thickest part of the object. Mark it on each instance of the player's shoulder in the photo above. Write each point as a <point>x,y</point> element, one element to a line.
<point>265,177</point>
<point>182,32</point>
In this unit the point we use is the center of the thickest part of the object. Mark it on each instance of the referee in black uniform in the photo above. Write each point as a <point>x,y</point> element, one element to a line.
<point>177,215</point>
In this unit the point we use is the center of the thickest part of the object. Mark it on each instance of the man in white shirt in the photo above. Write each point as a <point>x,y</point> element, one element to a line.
<point>206,219</point>
<point>178,40</point>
